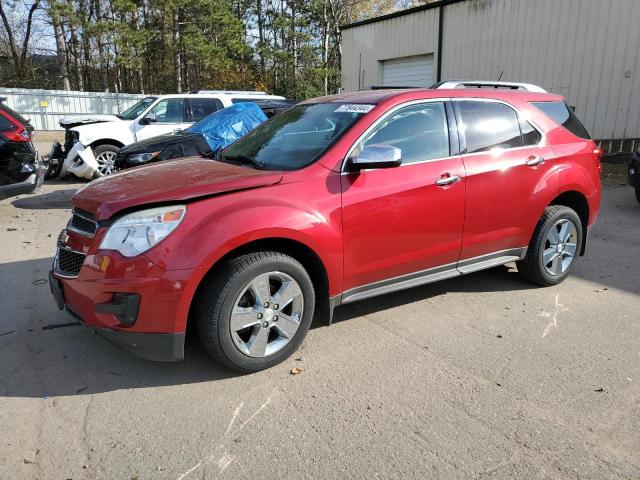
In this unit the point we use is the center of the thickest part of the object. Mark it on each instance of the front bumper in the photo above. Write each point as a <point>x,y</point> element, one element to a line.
<point>634,171</point>
<point>30,185</point>
<point>130,301</point>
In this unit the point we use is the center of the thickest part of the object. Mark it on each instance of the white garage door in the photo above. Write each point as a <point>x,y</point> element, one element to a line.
<point>408,71</point>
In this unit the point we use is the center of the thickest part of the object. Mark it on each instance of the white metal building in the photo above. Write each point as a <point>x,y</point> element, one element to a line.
<point>586,50</point>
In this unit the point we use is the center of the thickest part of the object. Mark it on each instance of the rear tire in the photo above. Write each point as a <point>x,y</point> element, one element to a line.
<point>638,194</point>
<point>556,243</point>
<point>255,311</point>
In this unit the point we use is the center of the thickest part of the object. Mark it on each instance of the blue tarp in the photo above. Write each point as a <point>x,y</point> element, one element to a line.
<point>225,126</point>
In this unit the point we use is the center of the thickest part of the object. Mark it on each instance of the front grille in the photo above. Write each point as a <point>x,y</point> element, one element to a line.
<point>82,222</point>
<point>68,262</point>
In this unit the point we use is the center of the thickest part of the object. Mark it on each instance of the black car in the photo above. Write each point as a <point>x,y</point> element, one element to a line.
<point>181,144</point>
<point>634,173</point>
<point>21,171</point>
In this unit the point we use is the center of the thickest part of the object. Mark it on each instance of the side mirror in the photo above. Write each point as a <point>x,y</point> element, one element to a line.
<point>377,156</point>
<point>149,118</point>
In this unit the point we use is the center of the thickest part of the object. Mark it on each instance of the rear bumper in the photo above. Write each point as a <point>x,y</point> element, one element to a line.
<point>30,185</point>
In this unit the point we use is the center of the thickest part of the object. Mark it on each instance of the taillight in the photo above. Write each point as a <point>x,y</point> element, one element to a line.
<point>597,156</point>
<point>17,135</point>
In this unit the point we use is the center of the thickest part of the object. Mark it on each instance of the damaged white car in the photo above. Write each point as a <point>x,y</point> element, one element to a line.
<point>92,142</point>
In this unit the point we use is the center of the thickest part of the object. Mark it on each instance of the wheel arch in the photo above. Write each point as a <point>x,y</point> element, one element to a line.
<point>304,254</point>
<point>577,202</point>
<point>106,141</point>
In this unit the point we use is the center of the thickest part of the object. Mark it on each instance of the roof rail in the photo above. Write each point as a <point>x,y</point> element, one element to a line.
<point>528,87</point>
<point>234,92</point>
<point>388,87</point>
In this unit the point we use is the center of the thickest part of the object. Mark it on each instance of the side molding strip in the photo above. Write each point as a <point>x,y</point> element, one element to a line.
<point>430,275</point>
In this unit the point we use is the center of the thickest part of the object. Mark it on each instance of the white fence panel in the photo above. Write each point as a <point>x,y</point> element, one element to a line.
<point>45,108</point>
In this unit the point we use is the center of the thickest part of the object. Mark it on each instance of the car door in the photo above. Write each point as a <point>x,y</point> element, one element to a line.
<point>398,221</point>
<point>506,163</point>
<point>166,116</point>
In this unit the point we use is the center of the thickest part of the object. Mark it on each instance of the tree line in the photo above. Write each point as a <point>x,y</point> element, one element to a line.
<point>289,47</point>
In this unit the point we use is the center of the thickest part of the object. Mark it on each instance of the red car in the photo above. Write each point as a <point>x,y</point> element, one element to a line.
<point>336,200</point>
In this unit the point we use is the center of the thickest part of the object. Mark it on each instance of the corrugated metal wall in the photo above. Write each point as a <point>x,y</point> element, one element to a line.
<point>586,50</point>
<point>363,48</point>
<point>61,103</point>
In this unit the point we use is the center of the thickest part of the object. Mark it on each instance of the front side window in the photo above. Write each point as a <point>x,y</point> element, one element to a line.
<point>296,137</point>
<point>170,110</point>
<point>136,110</point>
<point>489,125</point>
<point>419,131</point>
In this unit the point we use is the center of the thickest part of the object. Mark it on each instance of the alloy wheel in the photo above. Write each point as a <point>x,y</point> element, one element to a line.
<point>106,163</point>
<point>560,247</point>
<point>267,314</point>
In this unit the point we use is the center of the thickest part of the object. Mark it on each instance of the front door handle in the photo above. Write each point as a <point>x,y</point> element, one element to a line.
<point>534,160</point>
<point>447,179</point>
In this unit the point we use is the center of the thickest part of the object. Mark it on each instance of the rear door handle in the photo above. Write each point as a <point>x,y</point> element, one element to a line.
<point>534,160</point>
<point>447,179</point>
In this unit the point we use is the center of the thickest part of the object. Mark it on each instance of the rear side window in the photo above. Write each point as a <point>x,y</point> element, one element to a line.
<point>201,107</point>
<point>530,136</point>
<point>560,113</point>
<point>489,125</point>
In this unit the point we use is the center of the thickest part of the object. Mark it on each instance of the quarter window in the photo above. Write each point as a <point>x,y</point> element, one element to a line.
<point>489,125</point>
<point>562,114</point>
<point>419,131</point>
<point>170,110</point>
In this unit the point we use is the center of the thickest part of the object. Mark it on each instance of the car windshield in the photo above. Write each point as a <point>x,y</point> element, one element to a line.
<point>134,111</point>
<point>296,137</point>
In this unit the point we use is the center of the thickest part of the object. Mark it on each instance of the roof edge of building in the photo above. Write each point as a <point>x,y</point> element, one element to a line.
<point>401,13</point>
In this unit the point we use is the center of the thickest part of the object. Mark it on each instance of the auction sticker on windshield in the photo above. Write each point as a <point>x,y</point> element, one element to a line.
<point>355,108</point>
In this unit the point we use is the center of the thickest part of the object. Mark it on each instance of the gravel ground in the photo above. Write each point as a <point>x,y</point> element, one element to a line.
<point>482,376</point>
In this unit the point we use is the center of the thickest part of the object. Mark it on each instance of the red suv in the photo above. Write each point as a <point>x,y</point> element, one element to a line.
<point>335,200</point>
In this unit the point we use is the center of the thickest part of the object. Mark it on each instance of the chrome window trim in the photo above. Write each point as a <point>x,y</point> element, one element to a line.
<point>543,137</point>
<point>541,143</point>
<point>389,112</point>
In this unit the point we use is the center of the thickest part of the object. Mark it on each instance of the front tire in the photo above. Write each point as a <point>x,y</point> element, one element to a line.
<point>255,311</point>
<point>556,243</point>
<point>106,158</point>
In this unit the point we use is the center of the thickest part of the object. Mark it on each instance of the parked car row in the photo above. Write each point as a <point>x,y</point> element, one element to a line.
<point>92,142</point>
<point>203,138</point>
<point>335,200</point>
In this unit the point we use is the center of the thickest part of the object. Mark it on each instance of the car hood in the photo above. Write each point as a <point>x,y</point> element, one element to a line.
<point>157,143</point>
<point>170,181</point>
<point>74,120</point>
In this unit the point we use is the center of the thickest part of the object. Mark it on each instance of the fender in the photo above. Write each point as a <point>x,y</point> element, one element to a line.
<point>214,227</point>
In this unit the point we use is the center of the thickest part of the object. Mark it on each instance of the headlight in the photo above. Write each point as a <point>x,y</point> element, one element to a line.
<point>137,232</point>
<point>143,157</point>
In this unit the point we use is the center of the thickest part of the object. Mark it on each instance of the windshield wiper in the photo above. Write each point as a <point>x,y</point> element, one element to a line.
<point>245,160</point>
